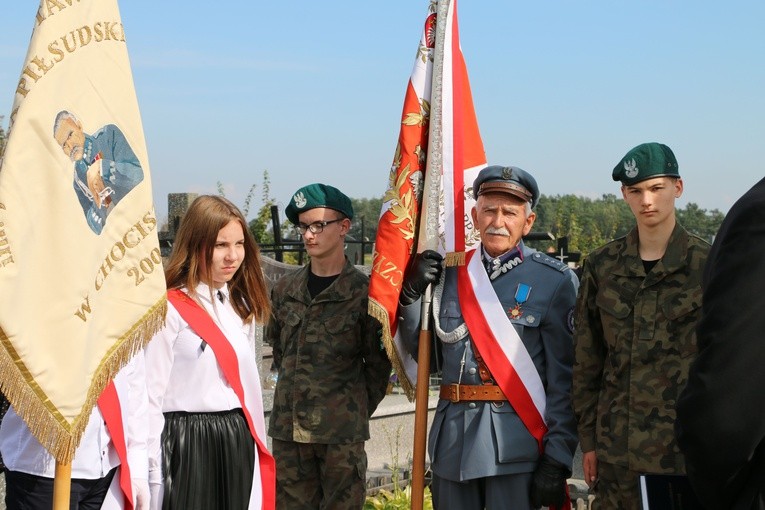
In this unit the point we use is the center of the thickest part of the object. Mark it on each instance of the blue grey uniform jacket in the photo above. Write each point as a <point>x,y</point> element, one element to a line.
<point>120,170</point>
<point>478,439</point>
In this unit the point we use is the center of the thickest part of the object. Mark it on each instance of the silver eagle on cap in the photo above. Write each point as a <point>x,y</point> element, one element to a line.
<point>630,168</point>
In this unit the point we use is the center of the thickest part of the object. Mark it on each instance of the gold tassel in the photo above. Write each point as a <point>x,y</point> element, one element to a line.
<point>47,425</point>
<point>379,312</point>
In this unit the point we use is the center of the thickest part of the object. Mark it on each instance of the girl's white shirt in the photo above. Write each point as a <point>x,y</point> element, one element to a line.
<point>183,374</point>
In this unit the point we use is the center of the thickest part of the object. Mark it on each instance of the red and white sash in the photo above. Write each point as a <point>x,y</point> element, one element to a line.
<point>111,410</point>
<point>500,346</point>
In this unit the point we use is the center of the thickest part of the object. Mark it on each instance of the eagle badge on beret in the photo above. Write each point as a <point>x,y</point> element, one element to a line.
<point>630,168</point>
<point>300,200</point>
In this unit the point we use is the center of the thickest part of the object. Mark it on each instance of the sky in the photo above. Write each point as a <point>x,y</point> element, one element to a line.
<point>313,91</point>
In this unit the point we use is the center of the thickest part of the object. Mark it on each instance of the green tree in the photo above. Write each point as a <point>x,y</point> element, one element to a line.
<point>366,212</point>
<point>247,199</point>
<point>262,225</point>
<point>700,222</point>
<point>590,223</point>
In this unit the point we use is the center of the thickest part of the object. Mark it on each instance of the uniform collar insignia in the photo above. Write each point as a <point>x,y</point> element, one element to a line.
<point>502,264</point>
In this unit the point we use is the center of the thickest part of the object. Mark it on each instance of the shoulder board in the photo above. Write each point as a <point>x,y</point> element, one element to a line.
<point>549,261</point>
<point>695,239</point>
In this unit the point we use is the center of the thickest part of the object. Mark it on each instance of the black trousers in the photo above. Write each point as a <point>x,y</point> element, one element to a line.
<point>30,492</point>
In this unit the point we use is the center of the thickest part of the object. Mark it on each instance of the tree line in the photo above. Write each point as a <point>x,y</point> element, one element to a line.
<point>587,223</point>
<point>590,223</point>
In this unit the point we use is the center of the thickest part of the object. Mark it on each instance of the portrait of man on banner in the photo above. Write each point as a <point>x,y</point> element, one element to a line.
<point>105,167</point>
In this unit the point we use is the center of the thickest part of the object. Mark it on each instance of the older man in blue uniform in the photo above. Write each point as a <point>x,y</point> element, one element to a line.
<point>105,167</point>
<point>484,452</point>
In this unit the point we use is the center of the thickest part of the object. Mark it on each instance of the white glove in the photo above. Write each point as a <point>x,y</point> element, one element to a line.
<point>157,491</point>
<point>142,494</point>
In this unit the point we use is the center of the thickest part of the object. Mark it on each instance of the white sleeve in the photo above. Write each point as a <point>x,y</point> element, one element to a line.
<point>159,363</point>
<point>137,418</point>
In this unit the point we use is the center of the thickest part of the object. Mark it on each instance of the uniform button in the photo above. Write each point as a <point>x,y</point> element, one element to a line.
<point>472,371</point>
<point>471,405</point>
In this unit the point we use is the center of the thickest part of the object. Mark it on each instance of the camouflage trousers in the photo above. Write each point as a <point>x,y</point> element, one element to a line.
<point>617,488</point>
<point>320,476</point>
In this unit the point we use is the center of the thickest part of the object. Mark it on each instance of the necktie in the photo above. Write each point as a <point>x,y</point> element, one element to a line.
<point>222,299</point>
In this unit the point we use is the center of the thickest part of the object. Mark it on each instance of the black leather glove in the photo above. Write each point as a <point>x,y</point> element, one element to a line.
<point>425,270</point>
<point>548,486</point>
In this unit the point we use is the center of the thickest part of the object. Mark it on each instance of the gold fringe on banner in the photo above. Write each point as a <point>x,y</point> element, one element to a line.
<point>378,311</point>
<point>47,425</point>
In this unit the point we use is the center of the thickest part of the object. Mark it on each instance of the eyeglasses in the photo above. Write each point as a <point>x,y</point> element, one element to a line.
<point>317,227</point>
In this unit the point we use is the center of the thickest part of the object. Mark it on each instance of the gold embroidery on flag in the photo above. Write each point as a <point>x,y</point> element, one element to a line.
<point>38,66</point>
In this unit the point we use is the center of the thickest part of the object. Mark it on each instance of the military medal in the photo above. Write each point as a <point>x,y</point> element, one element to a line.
<point>521,296</point>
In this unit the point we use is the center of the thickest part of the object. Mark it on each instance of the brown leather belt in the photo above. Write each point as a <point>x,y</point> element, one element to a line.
<point>464,392</point>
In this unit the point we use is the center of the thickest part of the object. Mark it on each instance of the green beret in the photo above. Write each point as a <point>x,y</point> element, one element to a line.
<point>646,161</point>
<point>318,195</point>
<point>506,179</point>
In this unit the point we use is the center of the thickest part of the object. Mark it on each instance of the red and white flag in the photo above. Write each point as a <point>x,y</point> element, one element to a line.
<point>427,206</point>
<point>439,153</point>
<point>81,280</point>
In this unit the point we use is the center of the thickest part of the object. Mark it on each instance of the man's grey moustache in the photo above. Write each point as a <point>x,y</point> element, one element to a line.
<point>498,231</point>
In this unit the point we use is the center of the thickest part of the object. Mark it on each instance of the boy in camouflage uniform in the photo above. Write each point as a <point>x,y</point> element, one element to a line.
<point>333,369</point>
<point>638,304</point>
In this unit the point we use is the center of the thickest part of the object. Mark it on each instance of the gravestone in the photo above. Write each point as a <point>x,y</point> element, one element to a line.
<point>177,205</point>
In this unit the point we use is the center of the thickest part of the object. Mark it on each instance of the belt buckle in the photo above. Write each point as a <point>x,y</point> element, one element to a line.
<point>455,393</point>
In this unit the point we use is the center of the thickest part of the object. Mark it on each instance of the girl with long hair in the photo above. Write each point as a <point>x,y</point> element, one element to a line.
<point>206,426</point>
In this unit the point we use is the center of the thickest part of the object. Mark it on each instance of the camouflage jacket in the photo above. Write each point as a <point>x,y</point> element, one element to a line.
<point>634,342</point>
<point>333,369</point>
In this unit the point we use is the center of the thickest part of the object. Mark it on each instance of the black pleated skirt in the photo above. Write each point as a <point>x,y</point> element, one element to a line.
<point>207,461</point>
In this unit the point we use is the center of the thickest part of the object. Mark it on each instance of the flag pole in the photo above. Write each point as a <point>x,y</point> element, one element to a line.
<point>62,486</point>
<point>428,239</point>
<point>421,404</point>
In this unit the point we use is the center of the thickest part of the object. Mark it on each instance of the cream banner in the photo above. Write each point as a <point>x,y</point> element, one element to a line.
<point>81,280</point>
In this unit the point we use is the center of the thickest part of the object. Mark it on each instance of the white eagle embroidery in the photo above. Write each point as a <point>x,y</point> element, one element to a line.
<point>630,168</point>
<point>300,200</point>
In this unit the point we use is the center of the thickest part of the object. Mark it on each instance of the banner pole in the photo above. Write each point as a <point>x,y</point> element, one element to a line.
<point>62,486</point>
<point>421,404</point>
